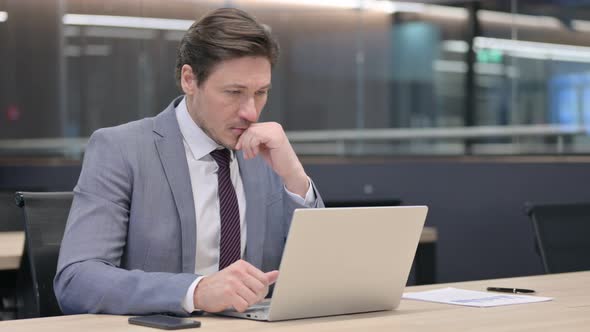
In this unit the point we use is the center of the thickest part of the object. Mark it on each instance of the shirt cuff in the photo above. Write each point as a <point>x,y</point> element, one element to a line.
<point>309,196</point>
<point>189,299</point>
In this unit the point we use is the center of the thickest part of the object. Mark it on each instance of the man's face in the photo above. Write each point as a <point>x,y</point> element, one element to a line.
<point>230,99</point>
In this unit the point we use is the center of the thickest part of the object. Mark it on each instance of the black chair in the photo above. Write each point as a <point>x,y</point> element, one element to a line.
<point>10,215</point>
<point>45,216</point>
<point>10,221</point>
<point>562,234</point>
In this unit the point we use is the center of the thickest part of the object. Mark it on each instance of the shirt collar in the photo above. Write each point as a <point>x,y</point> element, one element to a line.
<point>198,142</point>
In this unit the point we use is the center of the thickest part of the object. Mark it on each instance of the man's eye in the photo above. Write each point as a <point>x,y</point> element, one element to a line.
<point>262,92</point>
<point>233,92</point>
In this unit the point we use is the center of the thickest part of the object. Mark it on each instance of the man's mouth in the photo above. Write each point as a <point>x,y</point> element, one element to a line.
<point>238,131</point>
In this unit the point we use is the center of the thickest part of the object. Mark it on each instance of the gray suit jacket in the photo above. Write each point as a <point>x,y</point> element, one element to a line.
<point>129,244</point>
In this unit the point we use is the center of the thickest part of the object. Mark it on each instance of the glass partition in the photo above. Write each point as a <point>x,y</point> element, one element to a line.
<point>358,77</point>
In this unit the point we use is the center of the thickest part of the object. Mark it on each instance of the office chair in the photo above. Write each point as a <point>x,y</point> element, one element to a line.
<point>45,216</point>
<point>10,221</point>
<point>10,215</point>
<point>562,233</point>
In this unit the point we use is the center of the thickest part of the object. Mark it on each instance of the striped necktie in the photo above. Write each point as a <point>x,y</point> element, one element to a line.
<point>229,240</point>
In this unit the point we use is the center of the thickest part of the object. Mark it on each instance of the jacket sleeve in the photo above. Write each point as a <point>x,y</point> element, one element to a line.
<point>291,204</point>
<point>89,278</point>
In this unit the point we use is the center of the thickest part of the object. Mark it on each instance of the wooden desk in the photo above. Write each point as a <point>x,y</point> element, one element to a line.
<point>569,311</point>
<point>11,249</point>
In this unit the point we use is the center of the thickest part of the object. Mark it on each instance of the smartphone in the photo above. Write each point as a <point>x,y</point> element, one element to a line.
<point>165,322</point>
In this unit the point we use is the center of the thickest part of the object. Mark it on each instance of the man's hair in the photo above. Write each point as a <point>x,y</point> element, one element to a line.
<point>223,34</point>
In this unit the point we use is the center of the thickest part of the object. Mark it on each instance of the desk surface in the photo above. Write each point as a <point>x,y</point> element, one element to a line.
<point>11,249</point>
<point>569,311</point>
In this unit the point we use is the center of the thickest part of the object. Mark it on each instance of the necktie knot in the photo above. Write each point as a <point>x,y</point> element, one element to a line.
<point>221,157</point>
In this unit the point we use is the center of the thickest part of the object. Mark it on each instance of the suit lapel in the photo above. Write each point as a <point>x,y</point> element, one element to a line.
<point>255,209</point>
<point>168,140</point>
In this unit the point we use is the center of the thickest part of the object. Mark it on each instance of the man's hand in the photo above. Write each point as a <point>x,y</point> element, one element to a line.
<point>269,140</point>
<point>239,285</point>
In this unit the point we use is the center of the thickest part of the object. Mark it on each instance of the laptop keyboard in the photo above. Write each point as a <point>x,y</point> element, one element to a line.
<point>259,307</point>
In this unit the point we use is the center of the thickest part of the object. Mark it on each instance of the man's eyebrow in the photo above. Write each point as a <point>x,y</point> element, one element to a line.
<point>240,86</point>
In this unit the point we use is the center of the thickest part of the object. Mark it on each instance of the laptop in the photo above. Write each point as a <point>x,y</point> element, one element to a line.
<point>341,261</point>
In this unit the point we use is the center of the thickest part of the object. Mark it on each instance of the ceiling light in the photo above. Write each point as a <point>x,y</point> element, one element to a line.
<point>532,21</point>
<point>127,22</point>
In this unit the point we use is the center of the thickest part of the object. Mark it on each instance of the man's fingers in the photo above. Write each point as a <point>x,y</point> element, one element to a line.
<point>272,276</point>
<point>240,143</point>
<point>239,303</point>
<point>255,146</point>
<point>247,294</point>
<point>256,273</point>
<point>246,146</point>
<point>251,142</point>
<point>256,286</point>
<point>251,145</point>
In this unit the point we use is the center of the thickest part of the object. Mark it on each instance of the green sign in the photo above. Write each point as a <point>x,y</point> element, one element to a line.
<point>489,56</point>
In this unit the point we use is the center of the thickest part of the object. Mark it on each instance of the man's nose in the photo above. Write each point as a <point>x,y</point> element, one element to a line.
<point>248,110</point>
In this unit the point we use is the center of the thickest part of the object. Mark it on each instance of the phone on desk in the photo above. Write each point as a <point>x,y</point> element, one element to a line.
<point>165,322</point>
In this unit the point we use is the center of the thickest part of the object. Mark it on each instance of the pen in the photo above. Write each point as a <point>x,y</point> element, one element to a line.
<point>510,290</point>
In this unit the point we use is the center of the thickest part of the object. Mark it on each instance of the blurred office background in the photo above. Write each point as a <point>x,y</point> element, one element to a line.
<point>470,107</point>
<point>518,67</point>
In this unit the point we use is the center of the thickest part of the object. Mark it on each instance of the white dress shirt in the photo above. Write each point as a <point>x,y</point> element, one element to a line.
<point>203,175</point>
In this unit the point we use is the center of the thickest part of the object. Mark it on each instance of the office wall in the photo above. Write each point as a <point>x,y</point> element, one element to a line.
<point>477,206</point>
<point>30,91</point>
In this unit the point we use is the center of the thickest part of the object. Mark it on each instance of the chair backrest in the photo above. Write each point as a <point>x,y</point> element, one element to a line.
<point>11,219</point>
<point>45,216</point>
<point>562,233</point>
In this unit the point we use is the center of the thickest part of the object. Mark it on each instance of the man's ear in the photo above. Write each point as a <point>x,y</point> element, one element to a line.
<point>188,80</point>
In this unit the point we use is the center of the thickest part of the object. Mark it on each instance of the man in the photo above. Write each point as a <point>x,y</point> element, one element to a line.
<point>184,211</point>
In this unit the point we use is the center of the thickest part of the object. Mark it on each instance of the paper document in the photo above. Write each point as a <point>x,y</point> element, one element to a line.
<point>471,298</point>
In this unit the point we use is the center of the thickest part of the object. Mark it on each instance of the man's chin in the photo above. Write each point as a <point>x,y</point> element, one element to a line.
<point>230,144</point>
